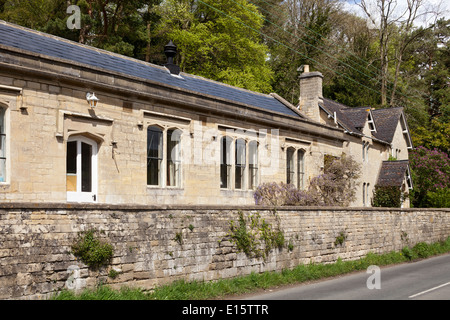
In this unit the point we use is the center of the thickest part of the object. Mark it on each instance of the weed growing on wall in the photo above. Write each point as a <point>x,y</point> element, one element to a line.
<point>254,236</point>
<point>91,250</point>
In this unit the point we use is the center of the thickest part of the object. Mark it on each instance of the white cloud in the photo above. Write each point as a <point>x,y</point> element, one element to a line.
<point>427,11</point>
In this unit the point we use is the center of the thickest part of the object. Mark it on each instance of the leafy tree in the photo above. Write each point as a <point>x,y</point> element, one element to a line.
<point>214,41</point>
<point>430,170</point>
<point>429,73</point>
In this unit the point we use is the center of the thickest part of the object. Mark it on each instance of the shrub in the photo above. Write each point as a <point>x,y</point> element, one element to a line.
<point>439,198</point>
<point>335,187</point>
<point>387,196</point>
<point>273,194</point>
<point>91,250</point>
<point>430,170</point>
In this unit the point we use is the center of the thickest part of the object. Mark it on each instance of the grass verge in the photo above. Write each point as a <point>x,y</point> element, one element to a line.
<point>201,290</point>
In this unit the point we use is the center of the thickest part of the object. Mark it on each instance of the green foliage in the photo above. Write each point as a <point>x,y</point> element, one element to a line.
<point>423,250</point>
<point>215,44</point>
<point>387,196</point>
<point>92,250</point>
<point>179,237</point>
<point>340,239</point>
<point>113,273</point>
<point>430,170</point>
<point>439,198</point>
<point>254,236</point>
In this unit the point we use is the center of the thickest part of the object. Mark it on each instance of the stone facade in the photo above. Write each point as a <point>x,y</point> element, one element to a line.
<point>157,245</point>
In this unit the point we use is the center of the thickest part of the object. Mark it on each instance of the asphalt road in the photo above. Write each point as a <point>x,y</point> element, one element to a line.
<point>422,280</point>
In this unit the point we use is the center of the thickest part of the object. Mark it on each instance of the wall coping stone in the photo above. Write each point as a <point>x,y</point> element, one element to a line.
<point>134,207</point>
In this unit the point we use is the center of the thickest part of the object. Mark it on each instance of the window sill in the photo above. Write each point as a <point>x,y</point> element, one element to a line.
<point>149,187</point>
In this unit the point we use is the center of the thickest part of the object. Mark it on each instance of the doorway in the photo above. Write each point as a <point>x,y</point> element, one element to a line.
<point>81,170</point>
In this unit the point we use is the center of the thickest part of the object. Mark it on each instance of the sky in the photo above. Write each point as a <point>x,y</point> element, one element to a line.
<point>442,6</point>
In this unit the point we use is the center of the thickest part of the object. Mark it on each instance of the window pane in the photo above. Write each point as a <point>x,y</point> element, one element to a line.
<point>154,155</point>
<point>86,167</point>
<point>240,163</point>
<point>71,166</point>
<point>2,120</point>
<point>153,170</point>
<point>253,164</point>
<point>225,175</point>
<point>240,152</point>
<point>253,177</point>
<point>290,166</point>
<point>225,162</point>
<point>300,168</point>
<point>2,170</point>
<point>154,142</point>
<point>71,160</point>
<point>173,157</point>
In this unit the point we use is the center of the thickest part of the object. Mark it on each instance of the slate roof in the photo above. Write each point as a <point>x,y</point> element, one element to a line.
<point>386,121</point>
<point>392,173</point>
<point>48,45</point>
<point>343,118</point>
<point>353,119</point>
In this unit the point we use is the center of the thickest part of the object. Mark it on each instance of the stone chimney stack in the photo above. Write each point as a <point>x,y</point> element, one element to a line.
<point>310,93</point>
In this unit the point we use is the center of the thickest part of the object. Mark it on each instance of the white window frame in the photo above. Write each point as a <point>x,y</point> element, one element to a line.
<point>175,157</point>
<point>79,195</point>
<point>165,159</point>
<point>253,164</point>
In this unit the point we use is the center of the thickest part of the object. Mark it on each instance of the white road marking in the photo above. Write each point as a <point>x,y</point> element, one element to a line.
<point>423,292</point>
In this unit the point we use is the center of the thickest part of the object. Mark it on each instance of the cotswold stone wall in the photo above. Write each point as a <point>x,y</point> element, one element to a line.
<point>157,245</point>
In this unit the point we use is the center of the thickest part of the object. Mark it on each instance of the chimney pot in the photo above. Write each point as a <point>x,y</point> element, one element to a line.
<point>170,51</point>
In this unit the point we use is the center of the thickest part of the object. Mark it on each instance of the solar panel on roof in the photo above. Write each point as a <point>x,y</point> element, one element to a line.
<point>51,46</point>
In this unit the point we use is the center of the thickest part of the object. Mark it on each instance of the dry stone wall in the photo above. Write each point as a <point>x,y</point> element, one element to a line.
<point>157,245</point>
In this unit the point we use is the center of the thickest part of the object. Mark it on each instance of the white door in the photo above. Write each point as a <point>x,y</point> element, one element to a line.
<point>81,170</point>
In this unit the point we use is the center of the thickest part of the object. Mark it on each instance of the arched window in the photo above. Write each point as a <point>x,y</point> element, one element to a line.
<point>240,163</point>
<point>300,169</point>
<point>290,169</point>
<point>225,162</point>
<point>174,157</point>
<point>252,165</point>
<point>154,155</point>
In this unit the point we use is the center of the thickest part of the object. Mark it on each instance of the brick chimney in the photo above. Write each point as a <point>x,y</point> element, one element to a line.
<point>310,93</point>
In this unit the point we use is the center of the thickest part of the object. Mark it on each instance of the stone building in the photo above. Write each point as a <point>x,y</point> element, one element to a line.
<point>79,124</point>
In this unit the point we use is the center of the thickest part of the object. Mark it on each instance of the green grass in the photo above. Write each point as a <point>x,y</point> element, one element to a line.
<point>200,290</point>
